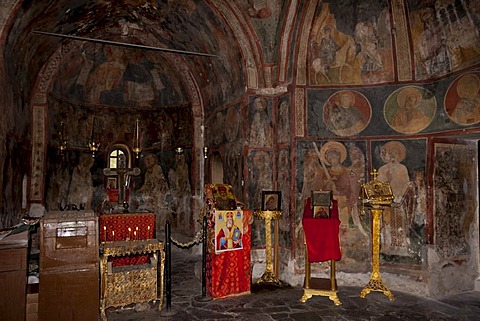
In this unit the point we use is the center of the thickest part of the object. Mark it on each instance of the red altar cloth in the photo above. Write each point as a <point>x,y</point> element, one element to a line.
<point>229,273</point>
<point>114,227</point>
<point>321,234</point>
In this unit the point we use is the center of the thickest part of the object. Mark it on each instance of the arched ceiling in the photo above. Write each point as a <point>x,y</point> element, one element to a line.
<point>180,25</point>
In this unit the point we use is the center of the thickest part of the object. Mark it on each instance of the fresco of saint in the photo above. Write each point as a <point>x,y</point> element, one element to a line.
<point>346,113</point>
<point>407,110</point>
<point>462,101</point>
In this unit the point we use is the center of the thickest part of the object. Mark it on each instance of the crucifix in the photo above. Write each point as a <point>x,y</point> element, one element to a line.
<point>122,174</point>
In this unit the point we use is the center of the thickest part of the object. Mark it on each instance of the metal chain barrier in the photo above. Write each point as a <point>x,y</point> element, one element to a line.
<point>196,240</point>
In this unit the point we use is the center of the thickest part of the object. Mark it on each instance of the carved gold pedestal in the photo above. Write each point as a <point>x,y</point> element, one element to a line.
<point>269,277</point>
<point>133,283</point>
<point>376,282</point>
<point>320,286</point>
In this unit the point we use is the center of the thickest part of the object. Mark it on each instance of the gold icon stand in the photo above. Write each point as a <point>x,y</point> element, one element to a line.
<point>376,194</point>
<point>269,277</point>
<point>320,286</point>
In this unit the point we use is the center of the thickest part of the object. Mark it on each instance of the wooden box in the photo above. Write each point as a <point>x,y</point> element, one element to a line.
<point>69,266</point>
<point>13,276</point>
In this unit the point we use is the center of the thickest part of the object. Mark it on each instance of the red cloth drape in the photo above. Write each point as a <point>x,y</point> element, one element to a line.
<point>143,224</point>
<point>113,195</point>
<point>229,273</point>
<point>321,234</point>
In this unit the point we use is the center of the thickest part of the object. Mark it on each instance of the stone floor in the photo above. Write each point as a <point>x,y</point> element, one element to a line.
<point>284,304</point>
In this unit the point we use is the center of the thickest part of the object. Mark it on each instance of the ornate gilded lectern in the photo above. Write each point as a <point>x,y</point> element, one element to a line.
<point>376,195</point>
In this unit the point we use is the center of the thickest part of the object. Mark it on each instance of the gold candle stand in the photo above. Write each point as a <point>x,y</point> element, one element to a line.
<point>269,276</point>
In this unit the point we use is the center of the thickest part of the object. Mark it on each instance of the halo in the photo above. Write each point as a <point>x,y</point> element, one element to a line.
<point>468,85</point>
<point>406,92</point>
<point>398,147</point>
<point>333,145</point>
<point>339,94</point>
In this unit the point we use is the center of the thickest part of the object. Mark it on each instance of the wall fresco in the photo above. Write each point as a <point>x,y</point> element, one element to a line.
<point>410,109</point>
<point>402,164</point>
<point>260,178</point>
<point>346,113</point>
<point>344,53</point>
<point>407,110</point>
<point>454,183</point>
<point>261,126</point>
<point>283,120</point>
<point>232,123</point>
<point>339,167</point>
<point>115,76</point>
<point>445,36</point>
<point>283,185</point>
<point>462,101</point>
<point>266,17</point>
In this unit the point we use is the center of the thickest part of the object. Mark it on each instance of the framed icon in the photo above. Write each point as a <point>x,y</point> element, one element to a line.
<point>112,183</point>
<point>322,202</point>
<point>321,212</point>
<point>228,230</point>
<point>271,201</point>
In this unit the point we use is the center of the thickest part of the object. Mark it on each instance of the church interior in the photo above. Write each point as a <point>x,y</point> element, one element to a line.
<point>145,110</point>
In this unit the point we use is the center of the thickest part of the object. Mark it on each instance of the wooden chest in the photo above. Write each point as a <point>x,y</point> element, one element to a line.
<point>69,266</point>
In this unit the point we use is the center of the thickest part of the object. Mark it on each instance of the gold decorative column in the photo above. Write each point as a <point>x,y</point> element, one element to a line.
<point>269,276</point>
<point>376,282</point>
<point>376,195</point>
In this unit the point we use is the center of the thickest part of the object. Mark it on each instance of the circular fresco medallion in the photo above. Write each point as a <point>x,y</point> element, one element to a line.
<point>462,101</point>
<point>347,113</point>
<point>409,110</point>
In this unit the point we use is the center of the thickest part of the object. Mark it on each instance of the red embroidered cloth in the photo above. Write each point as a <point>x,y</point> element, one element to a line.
<point>229,273</point>
<point>321,234</point>
<point>115,227</point>
<point>113,195</point>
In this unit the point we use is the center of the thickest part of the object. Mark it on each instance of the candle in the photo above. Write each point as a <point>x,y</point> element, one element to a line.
<point>138,234</point>
<point>105,233</point>
<point>134,235</point>
<point>148,232</point>
<point>113,236</point>
<point>130,233</point>
<point>62,131</point>
<point>93,130</point>
<point>136,134</point>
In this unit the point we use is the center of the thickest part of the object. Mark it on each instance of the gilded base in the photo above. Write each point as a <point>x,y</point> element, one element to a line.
<point>332,295</point>
<point>270,278</point>
<point>376,284</point>
<point>322,287</point>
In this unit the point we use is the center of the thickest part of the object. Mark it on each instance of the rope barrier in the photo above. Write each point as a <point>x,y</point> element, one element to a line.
<point>196,240</point>
<point>200,237</point>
